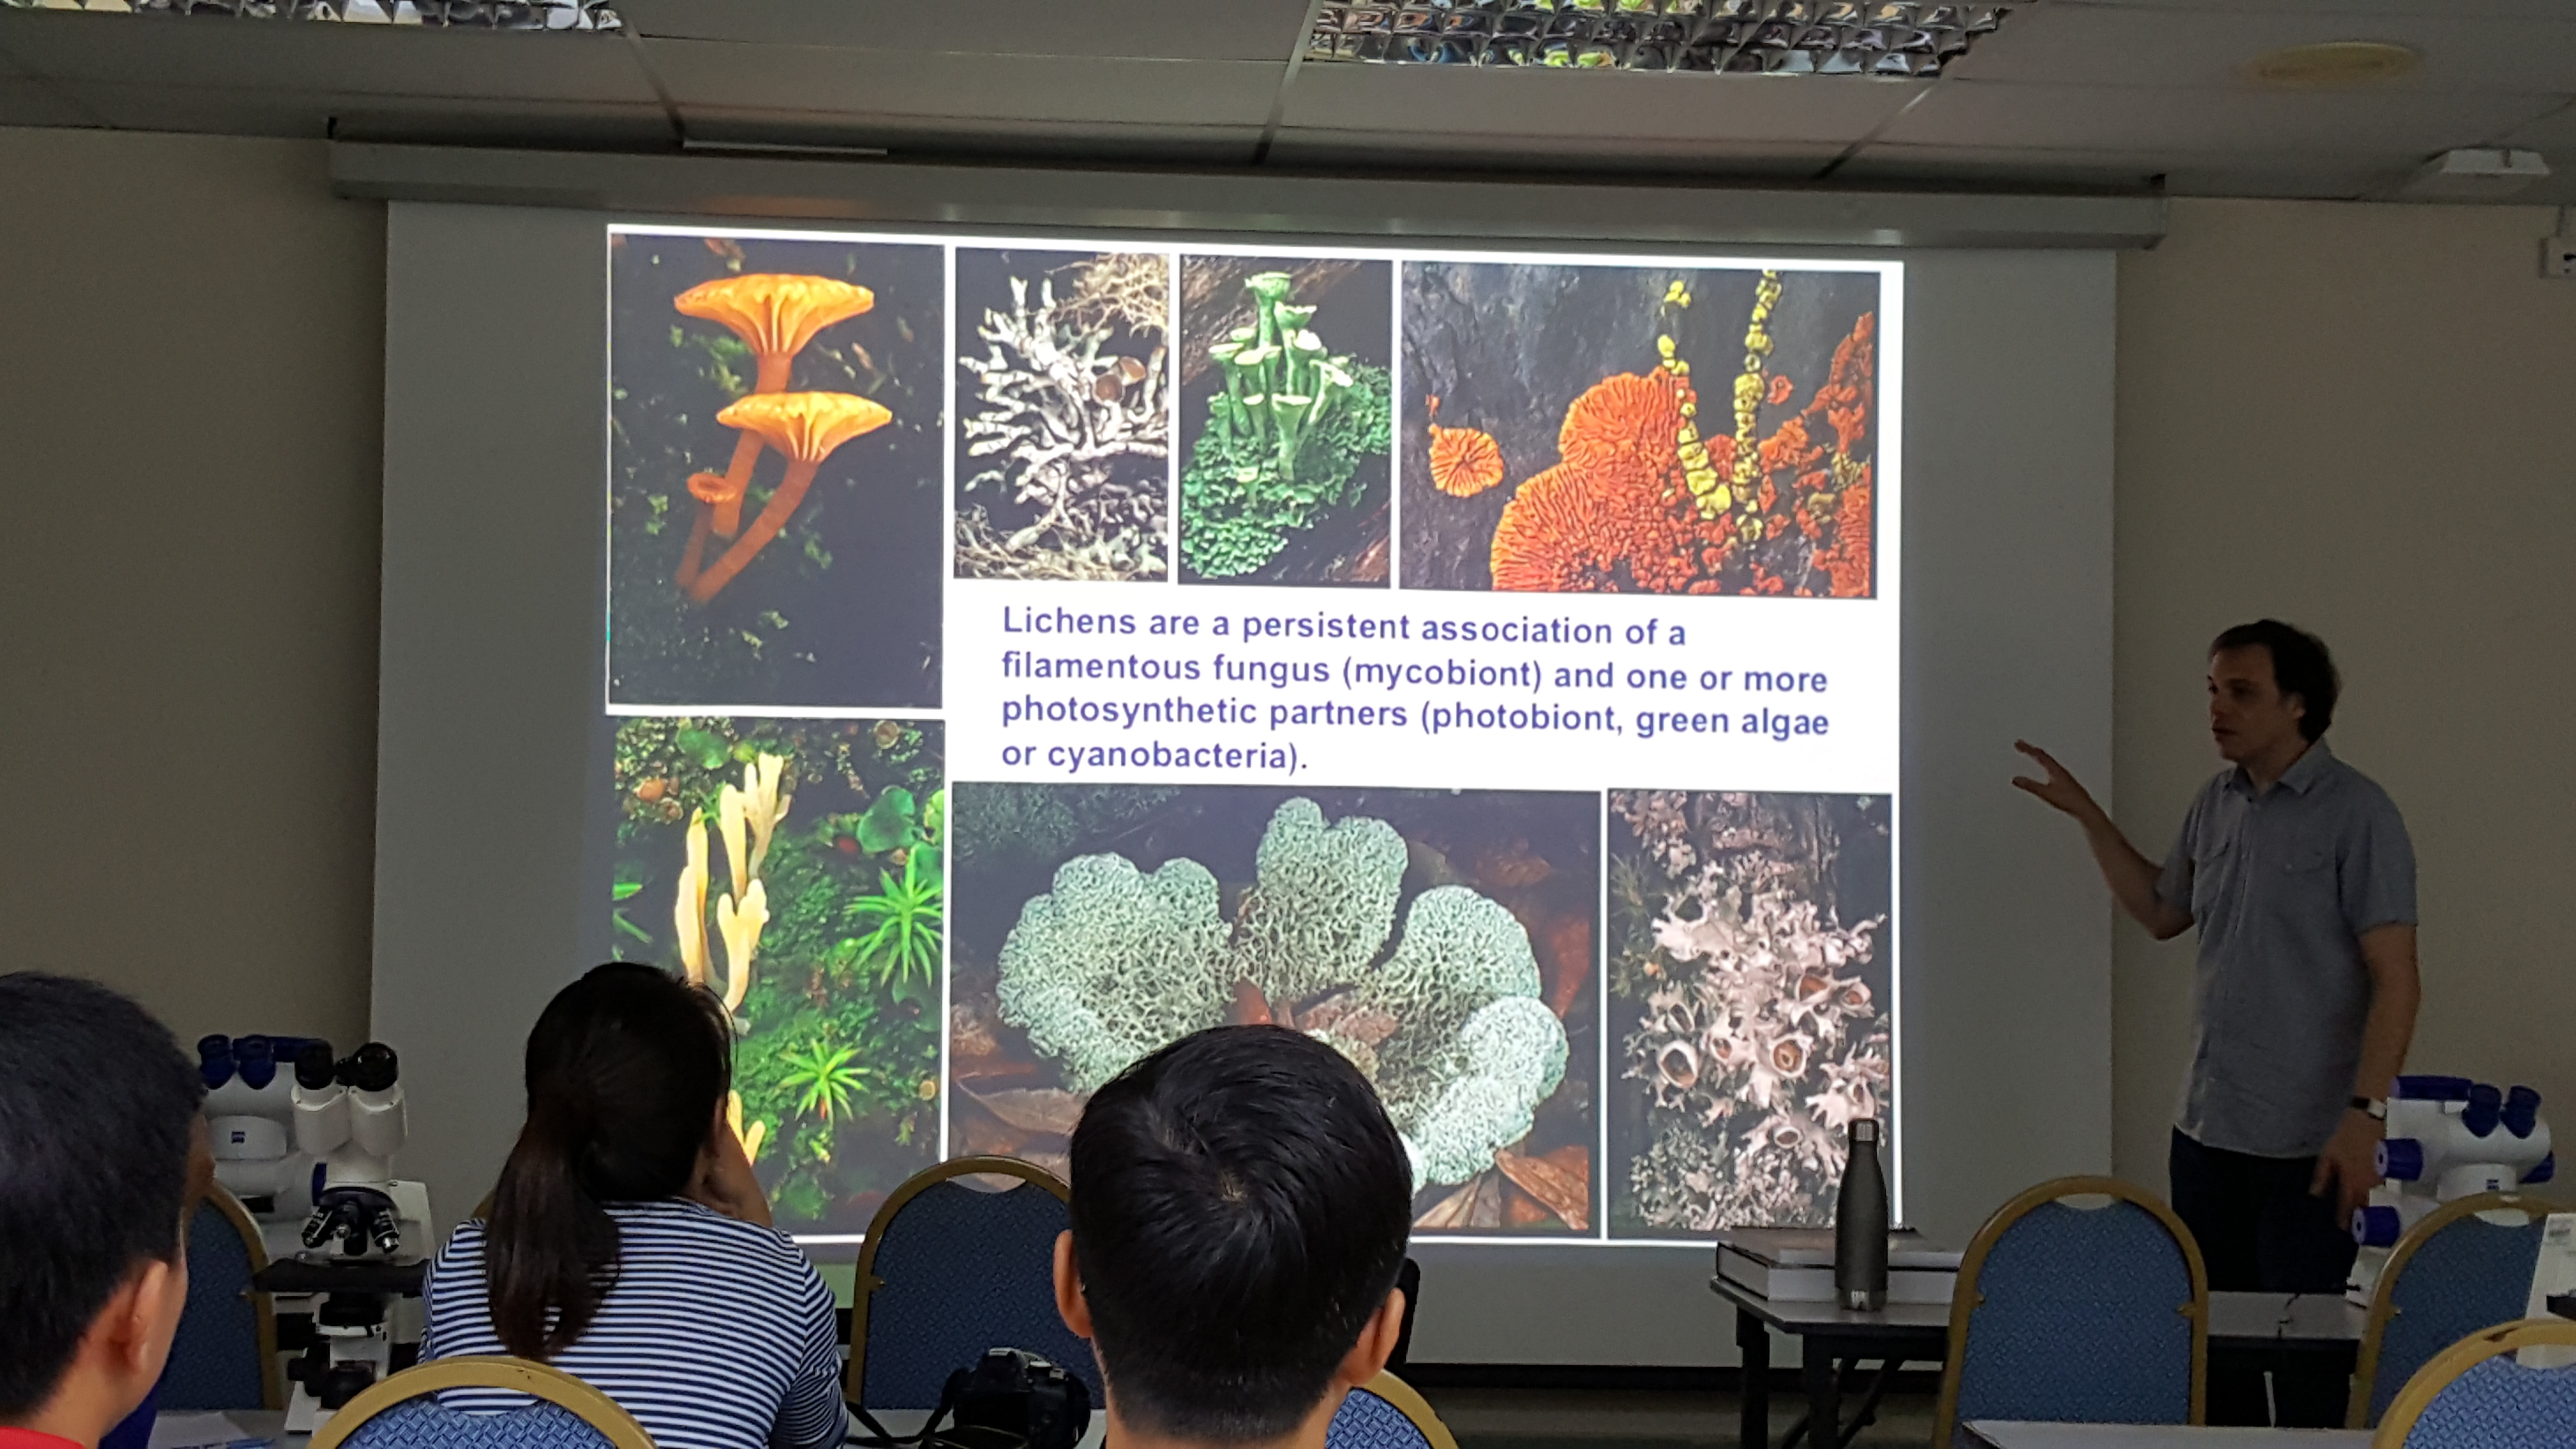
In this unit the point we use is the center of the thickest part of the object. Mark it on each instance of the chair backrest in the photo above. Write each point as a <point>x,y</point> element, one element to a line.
<point>2451,1275</point>
<point>403,1412</point>
<point>2082,1300</point>
<point>1386,1413</point>
<point>949,1271</point>
<point>2473,1395</point>
<point>224,1355</point>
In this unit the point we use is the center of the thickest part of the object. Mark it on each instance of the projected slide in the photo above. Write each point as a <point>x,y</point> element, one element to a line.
<point>1023,652</point>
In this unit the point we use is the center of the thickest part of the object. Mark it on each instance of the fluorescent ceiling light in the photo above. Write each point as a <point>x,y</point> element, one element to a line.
<point>1894,39</point>
<point>464,14</point>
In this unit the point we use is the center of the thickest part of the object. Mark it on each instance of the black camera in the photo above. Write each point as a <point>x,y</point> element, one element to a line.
<point>1013,1399</point>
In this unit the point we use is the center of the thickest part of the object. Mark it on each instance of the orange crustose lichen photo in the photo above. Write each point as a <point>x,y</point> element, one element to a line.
<point>1771,493</point>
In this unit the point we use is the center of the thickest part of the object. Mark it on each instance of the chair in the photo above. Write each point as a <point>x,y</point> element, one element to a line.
<point>949,1271</point>
<point>403,1412</point>
<point>224,1355</point>
<point>1385,1413</point>
<point>2083,1300</point>
<point>2453,1274</point>
<point>2473,1395</point>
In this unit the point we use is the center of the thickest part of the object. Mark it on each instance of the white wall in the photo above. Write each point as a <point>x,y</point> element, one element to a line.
<point>190,386</point>
<point>2362,419</point>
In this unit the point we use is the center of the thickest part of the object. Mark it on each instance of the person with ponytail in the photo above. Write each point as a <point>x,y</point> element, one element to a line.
<point>628,1243</point>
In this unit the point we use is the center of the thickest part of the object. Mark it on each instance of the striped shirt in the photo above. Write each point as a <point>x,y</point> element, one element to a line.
<point>716,1335</point>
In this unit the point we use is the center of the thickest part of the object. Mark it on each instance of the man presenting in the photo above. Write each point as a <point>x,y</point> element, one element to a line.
<point>2298,873</point>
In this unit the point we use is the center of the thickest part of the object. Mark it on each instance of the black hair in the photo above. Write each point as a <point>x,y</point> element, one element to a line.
<point>625,1070</point>
<point>97,1121</point>
<point>2300,666</point>
<point>1240,1208</point>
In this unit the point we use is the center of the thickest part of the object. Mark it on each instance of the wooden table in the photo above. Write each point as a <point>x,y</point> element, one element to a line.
<point>2005,1434</point>
<point>2262,1328</point>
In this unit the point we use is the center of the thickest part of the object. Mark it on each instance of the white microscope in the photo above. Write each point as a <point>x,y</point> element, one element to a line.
<point>250,1120</point>
<point>2447,1138</point>
<point>361,1249</point>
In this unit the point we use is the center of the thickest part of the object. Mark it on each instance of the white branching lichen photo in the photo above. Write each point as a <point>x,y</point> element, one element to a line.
<point>1752,981</point>
<point>1064,465</point>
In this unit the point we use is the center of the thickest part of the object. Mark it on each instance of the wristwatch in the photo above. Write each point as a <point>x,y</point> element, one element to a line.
<point>2376,1107</point>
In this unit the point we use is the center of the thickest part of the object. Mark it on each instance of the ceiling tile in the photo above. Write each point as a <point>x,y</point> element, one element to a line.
<point>25,102</point>
<point>387,60</point>
<point>1170,29</point>
<point>869,85</point>
<point>2182,173</point>
<point>2111,45</point>
<point>2556,130</point>
<point>912,137</point>
<point>2435,9</point>
<point>2133,118</point>
<point>1321,147</point>
<point>271,112</point>
<point>1616,107</point>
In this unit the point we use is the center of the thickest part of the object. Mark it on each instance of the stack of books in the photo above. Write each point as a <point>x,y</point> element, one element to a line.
<point>1796,1265</point>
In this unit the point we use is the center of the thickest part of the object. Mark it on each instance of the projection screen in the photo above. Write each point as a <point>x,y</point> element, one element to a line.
<point>1574,684</point>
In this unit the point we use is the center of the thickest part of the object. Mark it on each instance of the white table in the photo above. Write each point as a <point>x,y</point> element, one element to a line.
<point>2246,1326</point>
<point>197,1429</point>
<point>2006,1434</point>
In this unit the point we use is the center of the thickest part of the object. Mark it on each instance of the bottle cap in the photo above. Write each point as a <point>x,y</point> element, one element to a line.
<point>1864,1131</point>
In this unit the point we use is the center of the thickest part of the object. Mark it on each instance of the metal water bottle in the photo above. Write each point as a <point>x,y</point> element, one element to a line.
<point>1860,1223</point>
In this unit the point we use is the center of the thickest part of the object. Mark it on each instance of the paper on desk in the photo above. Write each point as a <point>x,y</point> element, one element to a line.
<point>179,1429</point>
<point>2555,1273</point>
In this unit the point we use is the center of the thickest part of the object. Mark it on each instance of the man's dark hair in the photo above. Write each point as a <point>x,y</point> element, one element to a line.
<point>1240,1208</point>
<point>97,1109</point>
<point>2300,666</point>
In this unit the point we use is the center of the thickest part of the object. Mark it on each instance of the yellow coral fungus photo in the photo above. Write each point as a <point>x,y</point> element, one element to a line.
<point>1634,429</point>
<point>794,867</point>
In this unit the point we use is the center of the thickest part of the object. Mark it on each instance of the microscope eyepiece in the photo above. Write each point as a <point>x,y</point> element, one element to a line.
<point>371,1068</point>
<point>256,1057</point>
<point>214,1060</point>
<point>314,1068</point>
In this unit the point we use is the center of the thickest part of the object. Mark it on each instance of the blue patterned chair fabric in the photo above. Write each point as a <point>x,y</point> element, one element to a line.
<point>964,1271</point>
<point>2081,1321</point>
<point>214,1357</point>
<point>2499,1404</point>
<point>423,1423</point>
<point>1369,1422</point>
<point>2471,1275</point>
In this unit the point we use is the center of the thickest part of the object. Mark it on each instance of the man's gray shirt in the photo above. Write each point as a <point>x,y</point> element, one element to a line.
<point>2282,885</point>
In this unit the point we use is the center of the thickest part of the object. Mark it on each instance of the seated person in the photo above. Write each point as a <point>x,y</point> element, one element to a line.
<point>102,1160</point>
<point>628,1243</point>
<point>1240,1210</point>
